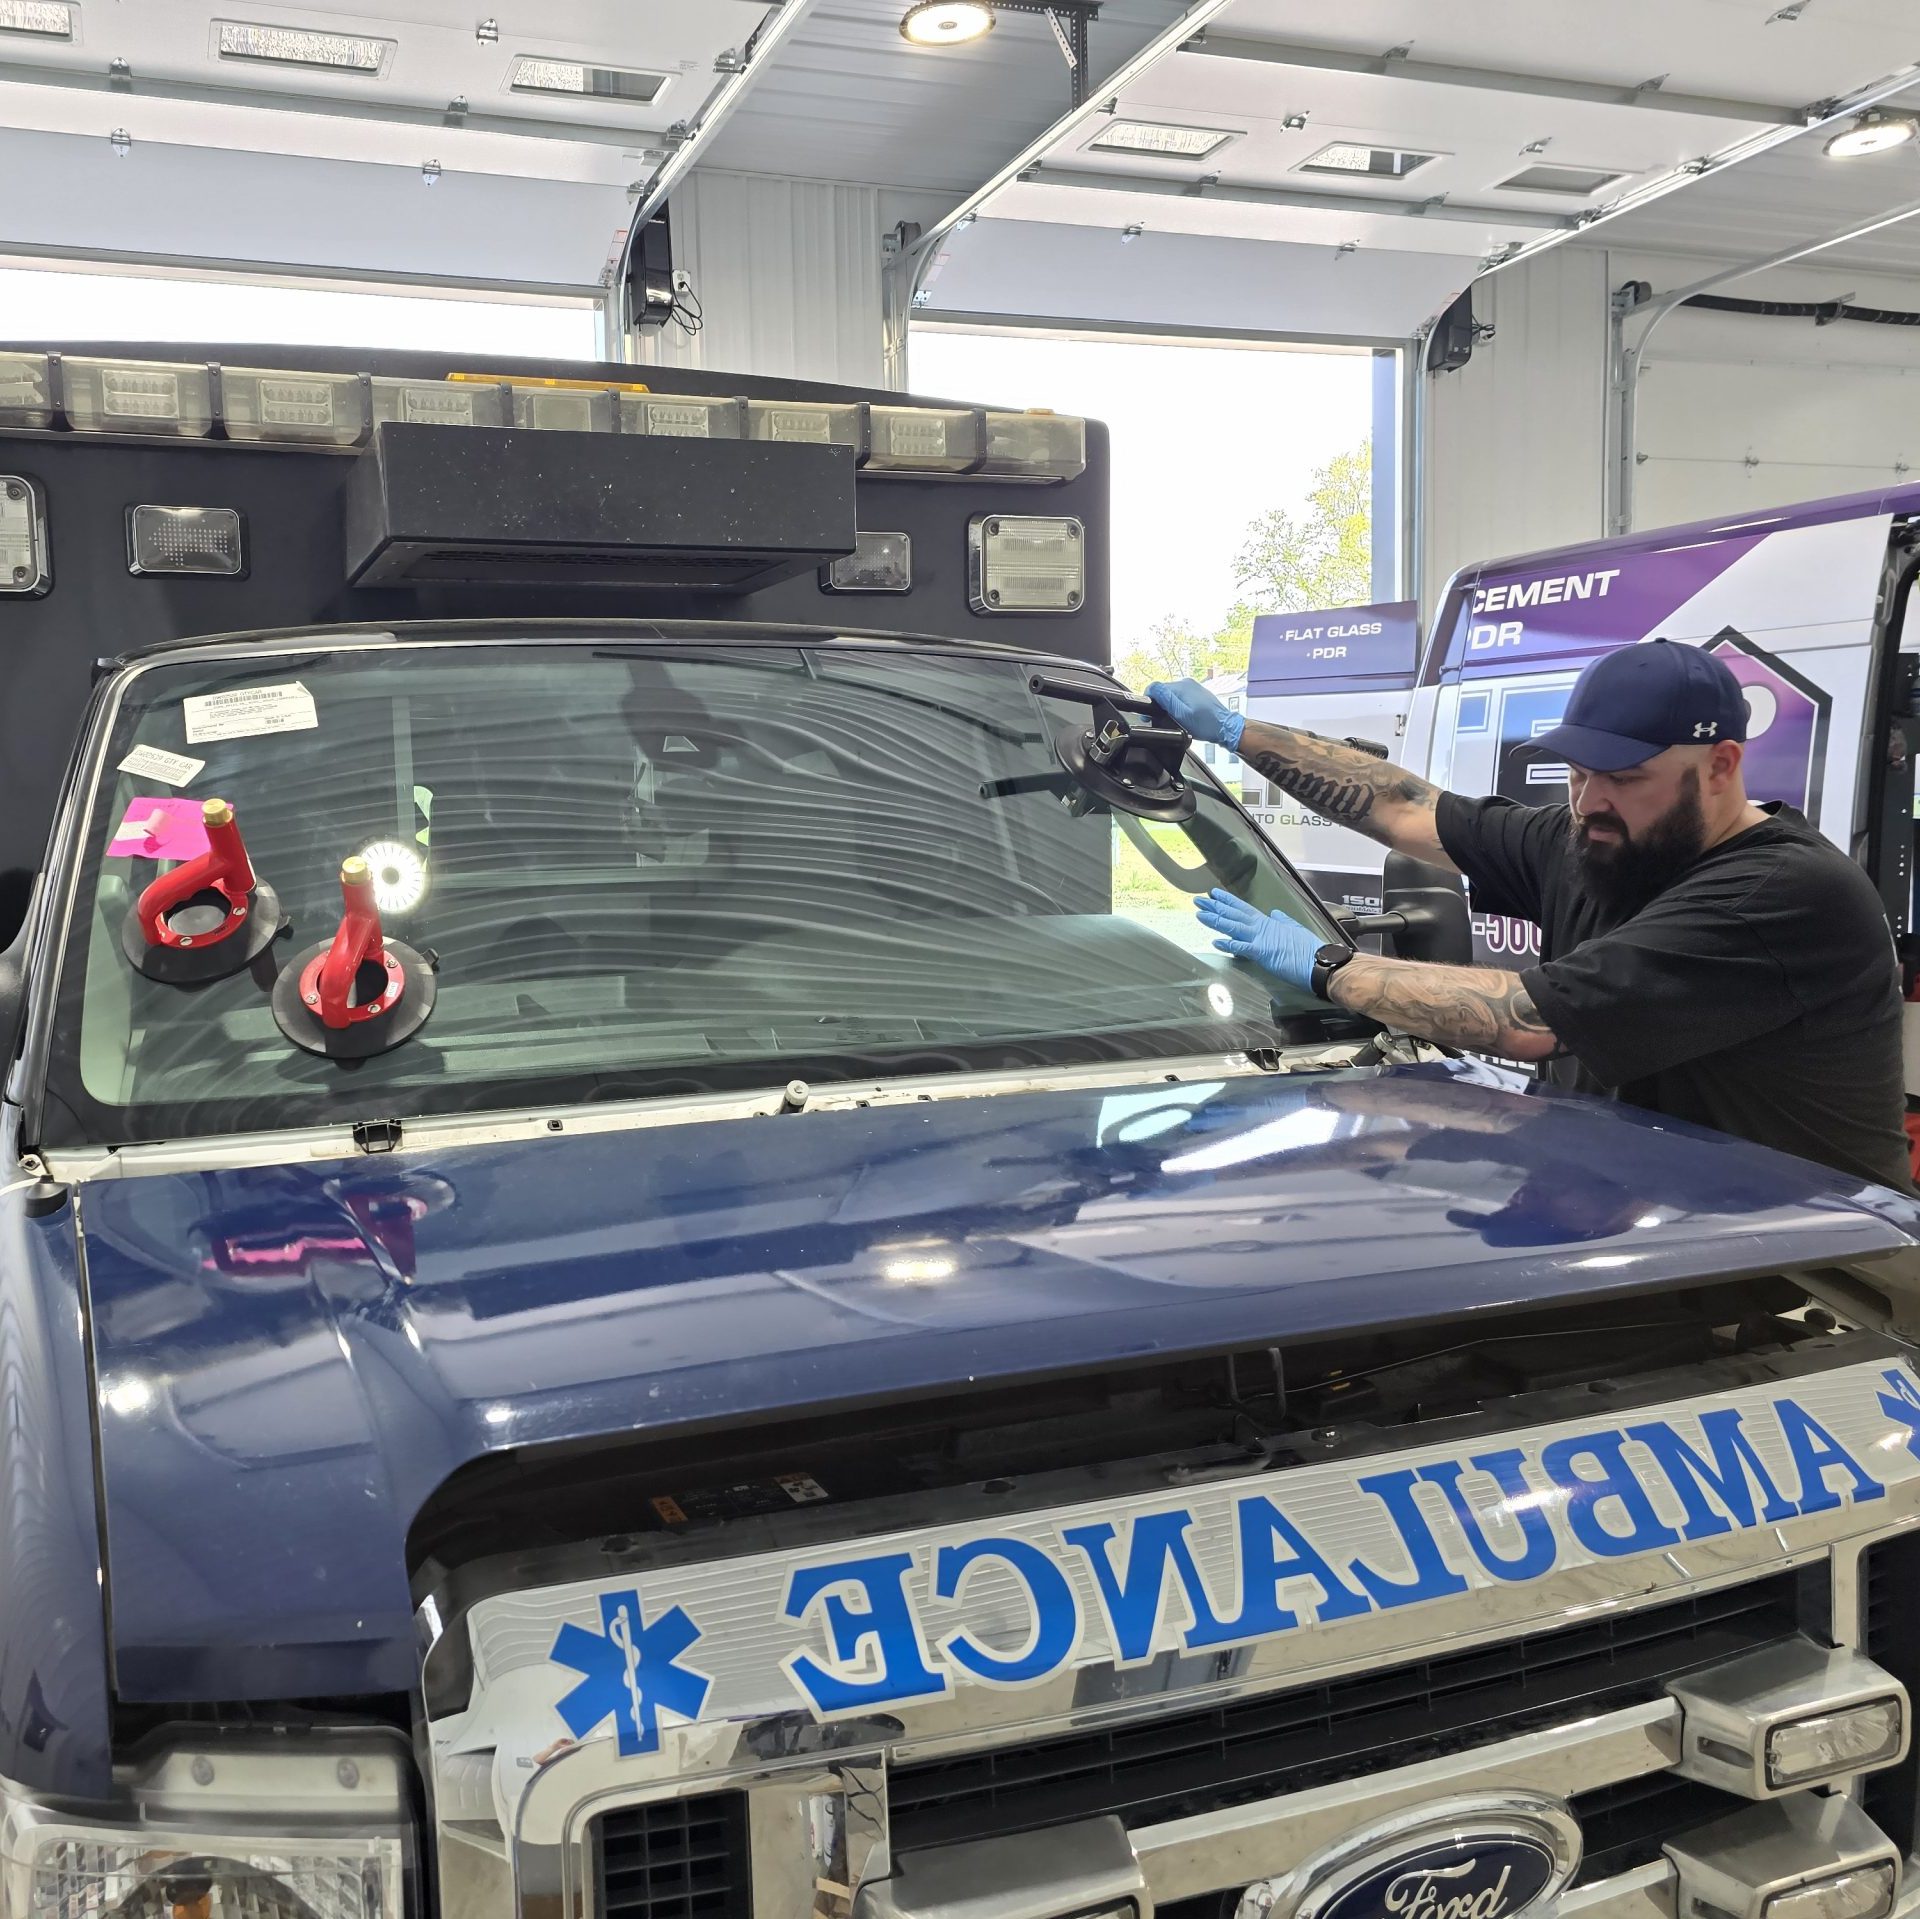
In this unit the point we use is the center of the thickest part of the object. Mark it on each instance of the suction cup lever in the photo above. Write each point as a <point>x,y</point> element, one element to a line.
<point>209,917</point>
<point>361,993</point>
<point>1132,768</point>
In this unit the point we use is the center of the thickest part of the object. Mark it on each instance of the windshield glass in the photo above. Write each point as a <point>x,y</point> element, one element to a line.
<point>650,867</point>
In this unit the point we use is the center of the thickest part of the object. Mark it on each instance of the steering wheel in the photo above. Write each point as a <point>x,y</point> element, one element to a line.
<point>1189,879</point>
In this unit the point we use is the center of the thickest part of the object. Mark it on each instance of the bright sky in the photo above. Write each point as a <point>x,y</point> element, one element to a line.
<point>53,305</point>
<point>1205,438</point>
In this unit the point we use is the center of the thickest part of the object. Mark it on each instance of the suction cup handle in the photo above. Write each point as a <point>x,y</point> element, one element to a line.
<point>224,867</point>
<point>358,941</point>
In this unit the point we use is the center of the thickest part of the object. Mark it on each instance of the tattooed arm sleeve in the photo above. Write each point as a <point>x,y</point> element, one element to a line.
<point>1348,787</point>
<point>1477,1008</point>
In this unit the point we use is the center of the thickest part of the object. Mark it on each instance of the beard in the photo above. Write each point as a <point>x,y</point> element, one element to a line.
<point>1626,872</point>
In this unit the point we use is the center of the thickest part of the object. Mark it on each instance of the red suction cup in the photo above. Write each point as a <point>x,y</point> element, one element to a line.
<point>207,918</point>
<point>361,993</point>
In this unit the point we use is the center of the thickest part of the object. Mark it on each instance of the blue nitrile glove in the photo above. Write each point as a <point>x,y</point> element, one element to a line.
<point>1188,704</point>
<point>1274,942</point>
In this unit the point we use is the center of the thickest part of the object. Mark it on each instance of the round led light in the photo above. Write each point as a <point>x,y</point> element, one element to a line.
<point>399,875</point>
<point>947,23</point>
<point>1873,132</point>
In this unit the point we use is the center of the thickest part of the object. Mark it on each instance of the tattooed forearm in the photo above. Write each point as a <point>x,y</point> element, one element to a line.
<point>1477,1008</point>
<point>1341,783</point>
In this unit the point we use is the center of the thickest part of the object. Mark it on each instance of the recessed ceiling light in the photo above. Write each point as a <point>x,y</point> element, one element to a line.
<point>1156,137</point>
<point>296,47</point>
<point>44,19</point>
<point>1874,132</point>
<point>532,75</point>
<point>1378,163</point>
<point>946,23</point>
<point>1582,182</point>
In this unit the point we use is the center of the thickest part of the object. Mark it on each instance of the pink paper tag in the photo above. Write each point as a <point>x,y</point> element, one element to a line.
<point>163,829</point>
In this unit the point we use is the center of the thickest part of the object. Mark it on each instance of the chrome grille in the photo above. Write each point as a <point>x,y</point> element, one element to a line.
<point>673,1859</point>
<point>1185,1763</point>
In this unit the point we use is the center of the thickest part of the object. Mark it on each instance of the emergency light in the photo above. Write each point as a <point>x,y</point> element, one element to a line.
<point>138,399</point>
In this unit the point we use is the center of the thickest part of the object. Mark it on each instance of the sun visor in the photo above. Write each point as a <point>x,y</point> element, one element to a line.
<point>523,507</point>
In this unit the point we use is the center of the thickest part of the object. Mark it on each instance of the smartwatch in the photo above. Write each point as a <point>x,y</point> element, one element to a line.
<point>1327,962</point>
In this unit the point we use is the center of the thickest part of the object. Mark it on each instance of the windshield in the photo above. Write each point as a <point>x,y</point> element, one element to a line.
<point>649,867</point>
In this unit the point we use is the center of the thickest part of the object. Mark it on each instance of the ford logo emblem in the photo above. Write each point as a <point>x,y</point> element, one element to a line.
<point>1489,1857</point>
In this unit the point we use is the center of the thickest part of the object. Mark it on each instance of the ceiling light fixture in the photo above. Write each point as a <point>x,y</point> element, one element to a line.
<point>295,47</point>
<point>1354,157</point>
<point>1160,140</point>
<point>531,74</point>
<point>1874,132</point>
<point>946,23</point>
<point>44,19</point>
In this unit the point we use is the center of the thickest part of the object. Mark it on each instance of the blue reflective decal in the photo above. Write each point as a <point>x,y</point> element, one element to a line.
<point>1018,1602</point>
<point>629,1670</point>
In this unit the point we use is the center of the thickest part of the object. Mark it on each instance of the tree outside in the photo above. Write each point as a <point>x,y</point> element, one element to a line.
<point>1288,563</point>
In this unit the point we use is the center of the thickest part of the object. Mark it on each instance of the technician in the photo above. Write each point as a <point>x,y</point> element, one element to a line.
<point>1701,956</point>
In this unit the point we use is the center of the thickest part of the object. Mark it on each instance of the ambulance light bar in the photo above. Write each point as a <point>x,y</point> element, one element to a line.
<point>41,392</point>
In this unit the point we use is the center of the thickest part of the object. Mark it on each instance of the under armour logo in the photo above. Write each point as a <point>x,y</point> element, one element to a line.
<point>629,1671</point>
<point>1706,730</point>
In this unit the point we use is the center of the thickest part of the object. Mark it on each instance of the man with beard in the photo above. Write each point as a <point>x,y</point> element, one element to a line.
<point>1701,956</point>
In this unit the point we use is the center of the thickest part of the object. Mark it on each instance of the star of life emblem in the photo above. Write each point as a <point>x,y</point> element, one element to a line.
<point>630,1672</point>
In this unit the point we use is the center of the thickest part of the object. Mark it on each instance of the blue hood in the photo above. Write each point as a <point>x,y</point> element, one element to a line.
<point>291,1359</point>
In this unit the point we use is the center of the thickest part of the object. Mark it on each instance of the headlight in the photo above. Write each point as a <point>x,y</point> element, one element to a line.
<point>248,1827</point>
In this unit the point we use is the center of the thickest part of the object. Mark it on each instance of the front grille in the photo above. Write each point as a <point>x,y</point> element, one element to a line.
<point>1890,1581</point>
<point>1366,1723</point>
<point>674,1859</point>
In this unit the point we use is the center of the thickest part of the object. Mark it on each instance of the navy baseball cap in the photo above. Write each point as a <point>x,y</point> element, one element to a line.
<point>1640,700</point>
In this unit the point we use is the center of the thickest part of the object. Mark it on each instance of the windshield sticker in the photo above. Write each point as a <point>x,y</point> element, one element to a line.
<point>160,829</point>
<point>156,763</point>
<point>914,1617</point>
<point>248,712</point>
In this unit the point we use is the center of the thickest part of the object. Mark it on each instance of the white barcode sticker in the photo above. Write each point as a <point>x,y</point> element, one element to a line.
<point>249,711</point>
<point>156,763</point>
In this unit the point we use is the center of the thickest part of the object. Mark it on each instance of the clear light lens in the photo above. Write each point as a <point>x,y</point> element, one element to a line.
<point>680,416</point>
<point>322,409</point>
<point>26,398</point>
<point>299,1830</point>
<point>50,19</point>
<point>23,560</point>
<point>147,1875</point>
<point>1865,1893</point>
<point>292,47</point>
<point>399,875</point>
<point>186,539</point>
<point>436,403</point>
<point>1151,136</point>
<point>562,410</point>
<point>806,423</point>
<point>1027,563</point>
<point>946,23</point>
<point>137,396</point>
<point>879,563</point>
<point>1036,446</point>
<point>925,439</point>
<point>1832,1743</point>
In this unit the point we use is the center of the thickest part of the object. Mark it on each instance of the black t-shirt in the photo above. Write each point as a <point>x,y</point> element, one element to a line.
<point>1758,994</point>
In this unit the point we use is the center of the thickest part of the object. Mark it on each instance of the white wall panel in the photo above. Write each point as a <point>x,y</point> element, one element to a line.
<point>1515,439</point>
<point>787,273</point>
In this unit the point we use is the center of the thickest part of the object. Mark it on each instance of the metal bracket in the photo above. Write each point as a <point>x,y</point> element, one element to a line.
<point>1069,20</point>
